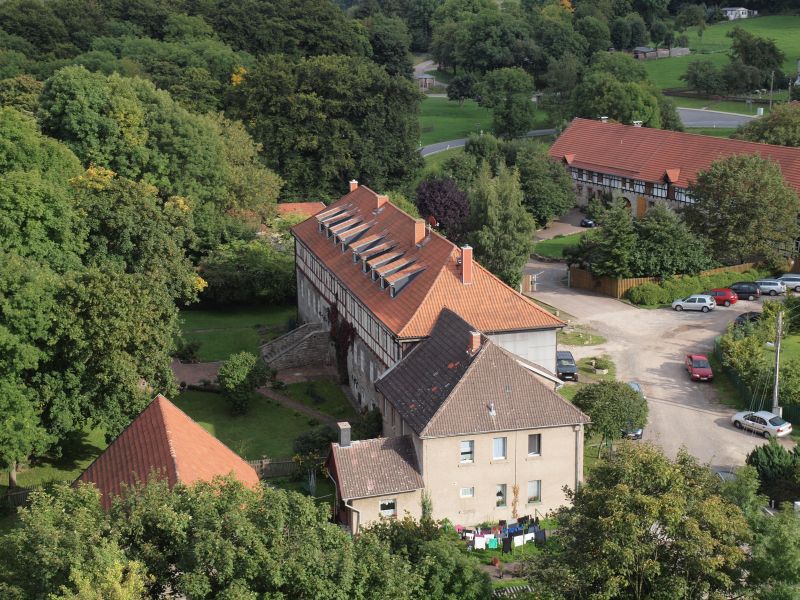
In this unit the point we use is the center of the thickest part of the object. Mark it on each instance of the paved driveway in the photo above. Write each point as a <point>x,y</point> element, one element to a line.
<point>648,346</point>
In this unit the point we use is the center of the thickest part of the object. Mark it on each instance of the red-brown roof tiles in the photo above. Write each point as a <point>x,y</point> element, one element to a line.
<point>309,209</point>
<point>165,439</point>
<point>487,302</point>
<point>656,155</point>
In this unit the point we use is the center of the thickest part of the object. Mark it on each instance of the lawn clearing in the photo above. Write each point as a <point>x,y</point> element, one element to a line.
<point>268,429</point>
<point>723,132</point>
<point>554,247</point>
<point>579,335</point>
<point>666,72</point>
<point>434,162</point>
<point>222,332</point>
<point>323,395</point>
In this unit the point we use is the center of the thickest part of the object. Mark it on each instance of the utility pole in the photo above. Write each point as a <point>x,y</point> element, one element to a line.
<point>771,82</point>
<point>775,408</point>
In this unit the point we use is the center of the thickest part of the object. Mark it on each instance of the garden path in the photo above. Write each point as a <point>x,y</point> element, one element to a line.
<point>287,402</point>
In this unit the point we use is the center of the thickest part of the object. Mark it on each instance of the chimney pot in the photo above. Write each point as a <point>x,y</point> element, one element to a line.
<point>604,119</point>
<point>474,342</point>
<point>466,264</point>
<point>353,185</point>
<point>344,434</point>
<point>637,123</point>
<point>382,200</point>
<point>492,411</point>
<point>419,230</point>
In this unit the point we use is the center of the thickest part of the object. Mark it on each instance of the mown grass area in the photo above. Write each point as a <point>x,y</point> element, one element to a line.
<point>434,162</point>
<point>323,395</point>
<point>579,335</point>
<point>268,429</point>
<point>554,247</point>
<point>724,132</point>
<point>666,72</point>
<point>222,332</point>
<point>78,453</point>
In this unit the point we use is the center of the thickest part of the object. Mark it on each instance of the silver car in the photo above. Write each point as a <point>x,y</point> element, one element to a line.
<point>763,422</point>
<point>773,287</point>
<point>700,302</point>
<point>791,281</point>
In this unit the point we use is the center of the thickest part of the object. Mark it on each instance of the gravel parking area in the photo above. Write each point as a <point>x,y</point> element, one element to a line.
<point>648,346</point>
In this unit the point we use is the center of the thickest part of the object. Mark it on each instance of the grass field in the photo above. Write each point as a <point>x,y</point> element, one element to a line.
<point>441,120</point>
<point>579,335</point>
<point>716,132</point>
<point>554,248</point>
<point>222,332</point>
<point>323,395</point>
<point>714,45</point>
<point>268,429</point>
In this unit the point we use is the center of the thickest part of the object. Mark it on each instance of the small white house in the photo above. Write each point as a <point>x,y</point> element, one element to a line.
<point>738,12</point>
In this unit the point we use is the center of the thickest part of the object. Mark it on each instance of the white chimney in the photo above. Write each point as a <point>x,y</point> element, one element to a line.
<point>637,123</point>
<point>604,119</point>
<point>344,434</point>
<point>353,185</point>
<point>492,412</point>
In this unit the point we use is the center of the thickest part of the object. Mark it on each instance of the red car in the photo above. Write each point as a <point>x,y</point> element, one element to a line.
<point>698,367</point>
<point>723,296</point>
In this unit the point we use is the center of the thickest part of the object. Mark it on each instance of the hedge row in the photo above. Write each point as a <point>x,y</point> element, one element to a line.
<point>653,294</point>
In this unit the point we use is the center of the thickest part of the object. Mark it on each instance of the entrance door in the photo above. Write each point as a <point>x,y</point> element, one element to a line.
<point>641,206</point>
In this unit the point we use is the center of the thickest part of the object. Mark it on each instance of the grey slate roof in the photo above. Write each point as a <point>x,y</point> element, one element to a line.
<point>376,467</point>
<point>440,390</point>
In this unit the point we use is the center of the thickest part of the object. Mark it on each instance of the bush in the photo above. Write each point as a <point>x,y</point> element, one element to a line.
<point>653,294</point>
<point>239,376</point>
<point>315,442</point>
<point>600,362</point>
<point>187,351</point>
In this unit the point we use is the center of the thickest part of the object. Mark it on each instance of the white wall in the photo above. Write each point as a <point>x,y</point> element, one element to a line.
<point>538,347</point>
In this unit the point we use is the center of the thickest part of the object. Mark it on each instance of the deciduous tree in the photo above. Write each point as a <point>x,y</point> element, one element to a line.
<point>613,407</point>
<point>508,93</point>
<point>442,200</point>
<point>781,127</point>
<point>547,188</point>
<point>239,377</point>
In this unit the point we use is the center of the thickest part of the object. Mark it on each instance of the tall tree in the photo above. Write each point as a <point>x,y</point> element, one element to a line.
<point>390,42</point>
<point>613,407</point>
<point>562,76</point>
<point>756,51</point>
<point>781,127</point>
<point>596,33</point>
<point>508,93</point>
<point>615,243</point>
<point>504,238</point>
<point>442,200</point>
<point>745,208</point>
<point>602,94</point>
<point>547,189</point>
<point>642,524</point>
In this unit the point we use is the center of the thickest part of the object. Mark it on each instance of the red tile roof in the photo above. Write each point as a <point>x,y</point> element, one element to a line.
<point>422,265</point>
<point>308,209</point>
<point>165,439</point>
<point>656,155</point>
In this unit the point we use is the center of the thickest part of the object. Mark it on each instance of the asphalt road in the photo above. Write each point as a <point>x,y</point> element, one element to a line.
<point>648,346</point>
<point>696,117</point>
<point>442,146</point>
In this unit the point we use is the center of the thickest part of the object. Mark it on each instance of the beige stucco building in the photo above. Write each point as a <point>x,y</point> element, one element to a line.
<point>476,428</point>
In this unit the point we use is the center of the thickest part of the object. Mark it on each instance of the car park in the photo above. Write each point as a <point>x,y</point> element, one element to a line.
<point>566,368</point>
<point>698,367</point>
<point>773,287</point>
<point>723,296</point>
<point>791,280</point>
<point>746,290</point>
<point>699,302</point>
<point>763,422</point>
<point>746,318</point>
<point>586,222</point>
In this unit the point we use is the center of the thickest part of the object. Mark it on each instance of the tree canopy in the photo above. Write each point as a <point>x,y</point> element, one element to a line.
<point>781,126</point>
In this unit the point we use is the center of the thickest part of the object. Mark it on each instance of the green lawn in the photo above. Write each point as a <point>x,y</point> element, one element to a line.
<point>554,248</point>
<point>77,455</point>
<point>725,132</point>
<point>268,429</point>
<point>323,395</point>
<point>579,335</point>
<point>714,45</point>
<point>434,162</point>
<point>222,332</point>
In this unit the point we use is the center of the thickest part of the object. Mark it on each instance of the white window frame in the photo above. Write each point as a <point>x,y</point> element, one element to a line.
<point>538,437</point>
<point>471,452</point>
<point>388,513</point>
<point>537,499</point>
<point>495,456</point>
<point>470,492</point>
<point>501,495</point>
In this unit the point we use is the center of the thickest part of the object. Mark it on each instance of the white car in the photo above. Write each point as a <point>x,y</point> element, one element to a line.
<point>701,302</point>
<point>791,281</point>
<point>763,422</point>
<point>773,287</point>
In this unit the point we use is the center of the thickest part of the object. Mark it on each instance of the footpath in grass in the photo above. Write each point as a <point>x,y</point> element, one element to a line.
<point>222,332</point>
<point>554,247</point>
<point>268,429</point>
<point>323,395</point>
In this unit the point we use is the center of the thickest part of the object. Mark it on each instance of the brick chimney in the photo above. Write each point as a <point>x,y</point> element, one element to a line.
<point>344,434</point>
<point>419,230</point>
<point>353,185</point>
<point>466,264</point>
<point>382,200</point>
<point>474,342</point>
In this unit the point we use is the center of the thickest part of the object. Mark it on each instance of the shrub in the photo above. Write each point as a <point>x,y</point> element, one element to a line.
<point>647,294</point>
<point>239,376</point>
<point>602,362</point>
<point>672,288</point>
<point>187,351</point>
<point>369,426</point>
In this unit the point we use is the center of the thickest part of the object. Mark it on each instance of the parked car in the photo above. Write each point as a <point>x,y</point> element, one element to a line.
<point>586,222</point>
<point>745,318</point>
<point>763,422</point>
<point>773,287</point>
<point>565,366</point>
<point>698,367</point>
<point>701,302</point>
<point>746,290</point>
<point>723,296</point>
<point>791,280</point>
<point>637,388</point>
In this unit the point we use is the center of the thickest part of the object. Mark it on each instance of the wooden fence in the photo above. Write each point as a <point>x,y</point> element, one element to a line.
<point>18,496</point>
<point>617,288</point>
<point>267,468</point>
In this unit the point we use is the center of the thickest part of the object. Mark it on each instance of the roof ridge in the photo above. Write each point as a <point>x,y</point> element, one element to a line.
<point>475,360</point>
<point>160,400</point>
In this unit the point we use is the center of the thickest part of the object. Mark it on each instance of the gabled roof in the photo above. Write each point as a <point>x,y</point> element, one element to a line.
<point>309,209</point>
<point>656,155</point>
<point>377,467</point>
<point>424,270</point>
<point>164,439</point>
<point>440,389</point>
